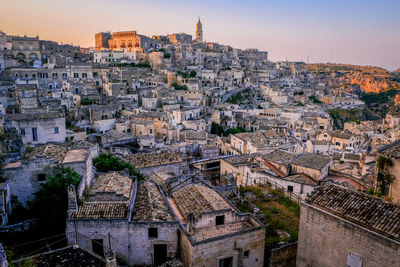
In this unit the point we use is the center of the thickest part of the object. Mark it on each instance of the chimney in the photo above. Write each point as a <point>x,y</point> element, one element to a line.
<point>111,260</point>
<point>190,224</point>
<point>72,203</point>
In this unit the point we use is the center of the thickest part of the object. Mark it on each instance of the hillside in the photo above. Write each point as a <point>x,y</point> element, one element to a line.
<point>368,78</point>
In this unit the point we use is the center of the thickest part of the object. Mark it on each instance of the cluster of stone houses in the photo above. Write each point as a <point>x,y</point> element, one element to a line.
<point>198,120</point>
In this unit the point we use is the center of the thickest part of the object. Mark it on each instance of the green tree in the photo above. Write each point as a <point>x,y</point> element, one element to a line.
<point>192,74</point>
<point>108,162</point>
<point>51,201</point>
<point>216,129</point>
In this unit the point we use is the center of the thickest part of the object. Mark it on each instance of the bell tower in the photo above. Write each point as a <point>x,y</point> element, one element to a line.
<point>199,32</point>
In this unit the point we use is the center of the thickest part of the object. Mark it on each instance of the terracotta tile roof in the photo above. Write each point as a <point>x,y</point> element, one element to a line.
<point>75,155</point>
<point>360,208</point>
<point>312,161</point>
<point>150,205</point>
<point>69,256</point>
<point>392,150</point>
<point>281,157</point>
<point>112,182</point>
<point>301,178</point>
<point>55,152</point>
<point>341,134</point>
<point>34,116</point>
<point>198,199</point>
<point>201,234</point>
<point>101,210</point>
<point>144,160</point>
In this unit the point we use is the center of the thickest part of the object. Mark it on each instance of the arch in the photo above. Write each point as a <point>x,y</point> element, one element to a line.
<point>33,56</point>
<point>20,56</point>
<point>21,62</point>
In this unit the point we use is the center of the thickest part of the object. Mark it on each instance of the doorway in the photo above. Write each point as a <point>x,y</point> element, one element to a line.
<point>227,262</point>
<point>160,254</point>
<point>97,247</point>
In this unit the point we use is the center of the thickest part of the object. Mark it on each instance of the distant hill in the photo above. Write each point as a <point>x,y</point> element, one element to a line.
<point>398,70</point>
<point>370,79</point>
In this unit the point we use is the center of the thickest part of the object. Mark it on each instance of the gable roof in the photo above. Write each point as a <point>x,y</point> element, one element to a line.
<point>150,204</point>
<point>101,210</point>
<point>198,199</point>
<point>312,161</point>
<point>360,208</point>
<point>391,150</point>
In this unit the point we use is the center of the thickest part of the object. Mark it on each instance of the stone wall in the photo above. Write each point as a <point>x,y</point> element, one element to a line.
<point>129,239</point>
<point>175,168</point>
<point>209,253</point>
<point>142,247</point>
<point>326,240</point>
<point>45,130</point>
<point>284,256</point>
<point>24,179</point>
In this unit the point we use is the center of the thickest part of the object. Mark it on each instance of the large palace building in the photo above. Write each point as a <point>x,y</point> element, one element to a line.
<point>126,40</point>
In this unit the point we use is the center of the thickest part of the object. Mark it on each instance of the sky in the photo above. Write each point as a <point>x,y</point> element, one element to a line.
<point>361,32</point>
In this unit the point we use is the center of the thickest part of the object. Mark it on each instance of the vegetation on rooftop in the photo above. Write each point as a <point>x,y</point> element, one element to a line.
<point>240,97</point>
<point>315,100</point>
<point>186,75</point>
<point>179,87</point>
<point>85,102</point>
<point>219,130</point>
<point>340,116</point>
<point>132,65</point>
<point>108,162</point>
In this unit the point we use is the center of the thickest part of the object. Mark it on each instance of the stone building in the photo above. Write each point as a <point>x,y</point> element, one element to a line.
<point>135,219</point>
<point>39,128</point>
<point>343,227</point>
<point>313,165</point>
<point>131,41</point>
<point>213,232</point>
<point>391,190</point>
<point>25,176</point>
<point>101,40</point>
<point>144,226</point>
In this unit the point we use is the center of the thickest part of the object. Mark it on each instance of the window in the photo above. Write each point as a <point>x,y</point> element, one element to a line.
<point>354,260</point>
<point>34,134</point>
<point>246,253</point>
<point>22,131</point>
<point>290,188</point>
<point>220,220</point>
<point>338,143</point>
<point>41,177</point>
<point>45,75</point>
<point>76,75</point>
<point>84,75</point>
<point>55,75</point>
<point>153,233</point>
<point>64,76</point>
<point>103,117</point>
<point>56,130</point>
<point>151,131</point>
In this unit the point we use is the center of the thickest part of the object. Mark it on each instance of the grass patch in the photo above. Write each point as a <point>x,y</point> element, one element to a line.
<point>281,213</point>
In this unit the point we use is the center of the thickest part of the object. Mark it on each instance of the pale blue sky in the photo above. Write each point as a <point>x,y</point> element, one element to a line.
<point>357,32</point>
